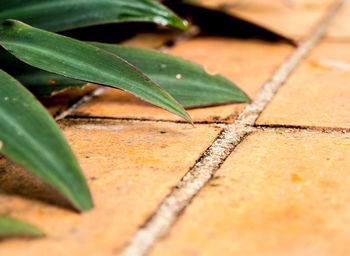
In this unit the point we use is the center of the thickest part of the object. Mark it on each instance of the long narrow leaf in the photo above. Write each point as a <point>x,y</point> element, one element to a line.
<point>72,58</point>
<point>12,227</point>
<point>31,138</point>
<point>58,15</point>
<point>186,81</point>
<point>39,82</point>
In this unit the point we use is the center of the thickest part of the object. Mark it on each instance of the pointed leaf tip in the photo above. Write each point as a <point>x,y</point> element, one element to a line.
<point>13,227</point>
<point>30,137</point>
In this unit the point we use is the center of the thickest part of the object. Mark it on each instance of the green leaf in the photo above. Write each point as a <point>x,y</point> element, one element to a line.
<point>37,81</point>
<point>12,227</point>
<point>31,138</point>
<point>186,81</point>
<point>195,87</point>
<point>75,59</point>
<point>58,15</point>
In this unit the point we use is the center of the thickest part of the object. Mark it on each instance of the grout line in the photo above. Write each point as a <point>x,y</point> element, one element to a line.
<point>296,129</point>
<point>159,223</point>
<point>92,119</point>
<point>120,119</point>
<point>111,121</point>
<point>84,99</point>
<point>325,129</point>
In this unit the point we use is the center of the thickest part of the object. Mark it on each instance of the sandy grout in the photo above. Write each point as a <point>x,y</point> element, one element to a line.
<point>158,225</point>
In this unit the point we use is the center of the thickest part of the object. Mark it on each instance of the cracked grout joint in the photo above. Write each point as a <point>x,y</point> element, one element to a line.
<point>165,216</point>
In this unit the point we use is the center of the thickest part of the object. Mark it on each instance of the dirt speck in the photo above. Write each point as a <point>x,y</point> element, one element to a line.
<point>295,178</point>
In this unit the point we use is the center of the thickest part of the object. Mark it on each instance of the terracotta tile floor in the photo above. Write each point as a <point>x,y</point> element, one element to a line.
<point>280,193</point>
<point>265,178</point>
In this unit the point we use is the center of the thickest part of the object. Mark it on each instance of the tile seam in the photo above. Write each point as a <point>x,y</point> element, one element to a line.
<point>324,129</point>
<point>321,129</point>
<point>143,120</point>
<point>158,225</point>
<point>300,130</point>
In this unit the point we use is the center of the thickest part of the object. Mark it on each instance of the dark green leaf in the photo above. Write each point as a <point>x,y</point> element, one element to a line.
<point>37,81</point>
<point>72,58</point>
<point>195,87</point>
<point>12,227</point>
<point>58,15</point>
<point>31,138</point>
<point>186,81</point>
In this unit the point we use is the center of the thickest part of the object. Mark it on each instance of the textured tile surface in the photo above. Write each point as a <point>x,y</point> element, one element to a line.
<point>317,94</point>
<point>279,193</point>
<point>130,167</point>
<point>249,63</point>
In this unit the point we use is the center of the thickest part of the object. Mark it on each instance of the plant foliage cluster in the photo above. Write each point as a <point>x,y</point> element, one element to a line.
<point>33,54</point>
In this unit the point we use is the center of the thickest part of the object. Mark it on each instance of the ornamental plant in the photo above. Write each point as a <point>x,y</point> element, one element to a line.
<point>33,55</point>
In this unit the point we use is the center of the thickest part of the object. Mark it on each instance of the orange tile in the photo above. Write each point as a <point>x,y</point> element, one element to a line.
<point>340,28</point>
<point>291,18</point>
<point>317,94</point>
<point>130,168</point>
<point>279,193</point>
<point>247,62</point>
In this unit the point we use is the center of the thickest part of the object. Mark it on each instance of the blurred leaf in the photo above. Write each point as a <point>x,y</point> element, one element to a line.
<point>72,58</point>
<point>12,227</point>
<point>217,22</point>
<point>31,138</point>
<point>58,15</point>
